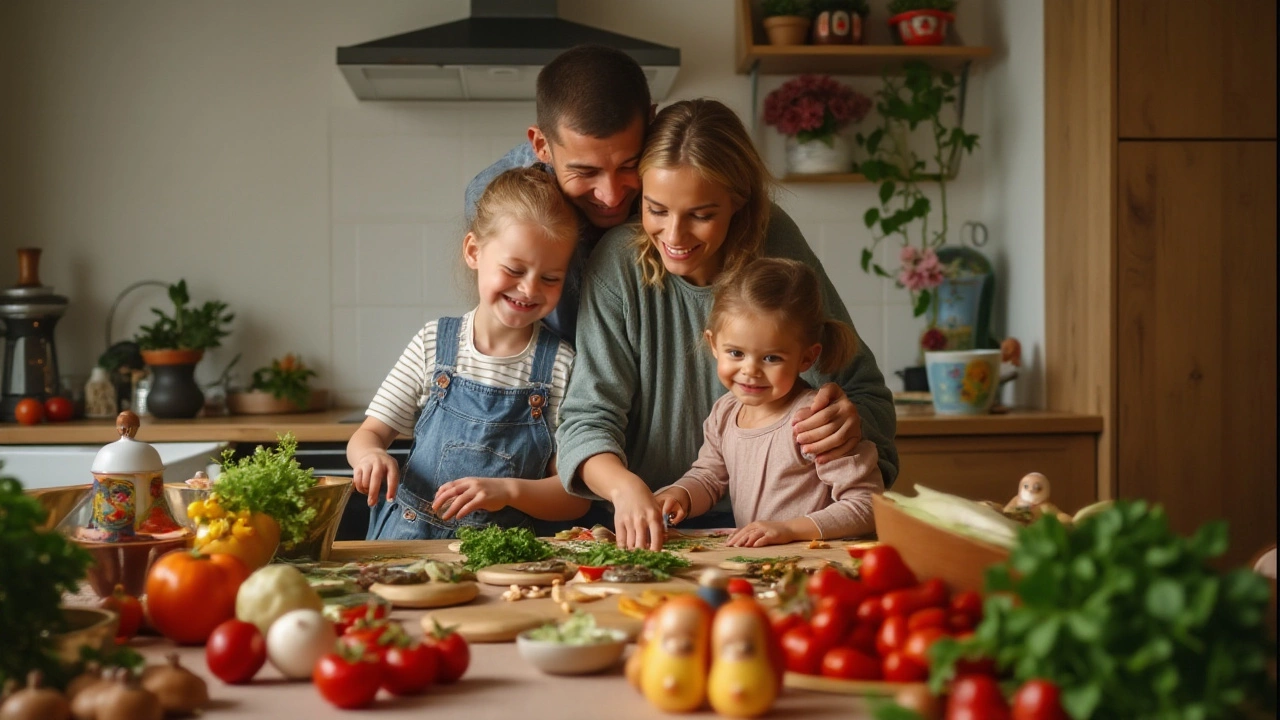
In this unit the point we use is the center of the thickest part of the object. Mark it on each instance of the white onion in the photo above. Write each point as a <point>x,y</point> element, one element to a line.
<point>296,640</point>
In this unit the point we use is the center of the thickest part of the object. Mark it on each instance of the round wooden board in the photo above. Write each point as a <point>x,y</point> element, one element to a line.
<point>818,683</point>
<point>487,622</point>
<point>505,575</point>
<point>427,595</point>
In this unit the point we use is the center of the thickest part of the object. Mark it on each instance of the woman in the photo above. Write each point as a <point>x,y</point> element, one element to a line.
<point>642,384</point>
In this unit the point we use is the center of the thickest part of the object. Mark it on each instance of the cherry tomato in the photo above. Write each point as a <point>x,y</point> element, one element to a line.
<point>863,638</point>
<point>830,582</point>
<point>741,586</point>
<point>933,593</point>
<point>976,697</point>
<point>892,635</point>
<point>130,611</point>
<point>871,611</point>
<point>979,666</point>
<point>410,669</point>
<point>592,573</point>
<point>235,652</point>
<point>455,654</point>
<point>829,626</point>
<point>799,651</point>
<point>919,641</point>
<point>967,602</point>
<point>883,570</point>
<point>59,409</point>
<point>928,617</point>
<point>371,610</point>
<point>28,411</point>
<point>1038,700</point>
<point>849,664</point>
<point>959,622</point>
<point>783,623</point>
<point>901,602</point>
<point>375,636</point>
<point>188,595</point>
<point>897,667</point>
<point>347,679</point>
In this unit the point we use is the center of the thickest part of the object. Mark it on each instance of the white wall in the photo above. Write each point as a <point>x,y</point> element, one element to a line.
<point>217,141</point>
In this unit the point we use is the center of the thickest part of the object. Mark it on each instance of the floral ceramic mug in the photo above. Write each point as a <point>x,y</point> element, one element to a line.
<point>963,382</point>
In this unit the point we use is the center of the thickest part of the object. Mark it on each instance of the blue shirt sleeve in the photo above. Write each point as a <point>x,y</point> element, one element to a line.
<point>519,156</point>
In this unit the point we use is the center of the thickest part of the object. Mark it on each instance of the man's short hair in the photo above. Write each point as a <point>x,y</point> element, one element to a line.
<point>593,90</point>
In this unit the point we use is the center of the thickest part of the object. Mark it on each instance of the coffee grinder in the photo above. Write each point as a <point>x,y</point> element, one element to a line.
<point>29,311</point>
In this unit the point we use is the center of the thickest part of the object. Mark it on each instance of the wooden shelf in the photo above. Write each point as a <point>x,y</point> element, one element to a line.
<point>826,178</point>
<point>838,59</point>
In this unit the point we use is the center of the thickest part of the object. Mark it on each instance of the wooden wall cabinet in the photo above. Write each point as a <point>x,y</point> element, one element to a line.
<point>1160,250</point>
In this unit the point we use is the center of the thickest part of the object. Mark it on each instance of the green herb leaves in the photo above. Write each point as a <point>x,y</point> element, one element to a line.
<point>189,328</point>
<point>271,482</point>
<point>1126,616</point>
<point>660,562</point>
<point>496,545</point>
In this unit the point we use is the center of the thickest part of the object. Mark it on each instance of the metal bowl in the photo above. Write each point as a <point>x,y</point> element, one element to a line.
<point>58,502</point>
<point>85,626</point>
<point>328,497</point>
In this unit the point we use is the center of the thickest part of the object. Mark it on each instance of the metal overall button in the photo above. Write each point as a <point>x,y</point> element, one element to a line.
<point>537,400</point>
<point>442,381</point>
<point>410,515</point>
<point>536,413</point>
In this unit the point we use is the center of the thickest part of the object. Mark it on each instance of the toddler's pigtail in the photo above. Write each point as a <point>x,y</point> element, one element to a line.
<point>839,346</point>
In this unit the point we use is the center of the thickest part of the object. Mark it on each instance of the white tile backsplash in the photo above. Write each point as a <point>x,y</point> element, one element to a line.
<point>396,178</point>
<point>382,334</point>
<point>388,266</point>
<point>342,270</point>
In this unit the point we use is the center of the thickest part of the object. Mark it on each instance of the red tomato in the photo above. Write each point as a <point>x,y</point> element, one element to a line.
<point>977,697</point>
<point>783,623</point>
<point>883,570</point>
<point>967,602</point>
<point>898,667</point>
<point>871,611</point>
<point>901,602</point>
<point>980,666</point>
<point>454,653</point>
<point>933,593</point>
<point>59,409</point>
<point>800,652</point>
<point>130,611</point>
<point>371,610</point>
<point>959,622</point>
<point>849,664</point>
<point>188,595</point>
<point>374,636</point>
<point>863,638</point>
<point>829,626</point>
<point>348,681</point>
<point>236,651</point>
<point>892,636</point>
<point>1038,700</point>
<point>592,573</point>
<point>830,582</point>
<point>410,669</point>
<point>928,617</point>
<point>28,411</point>
<point>919,642</point>
<point>741,586</point>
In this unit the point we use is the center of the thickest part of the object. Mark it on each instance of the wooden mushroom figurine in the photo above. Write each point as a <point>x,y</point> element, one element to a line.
<point>1033,496</point>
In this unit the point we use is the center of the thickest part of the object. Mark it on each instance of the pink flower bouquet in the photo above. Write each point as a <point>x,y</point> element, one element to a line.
<point>814,107</point>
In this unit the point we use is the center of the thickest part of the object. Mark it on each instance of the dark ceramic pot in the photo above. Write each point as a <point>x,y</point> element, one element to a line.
<point>174,391</point>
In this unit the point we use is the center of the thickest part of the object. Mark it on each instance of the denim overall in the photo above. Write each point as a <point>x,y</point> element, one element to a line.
<point>469,429</point>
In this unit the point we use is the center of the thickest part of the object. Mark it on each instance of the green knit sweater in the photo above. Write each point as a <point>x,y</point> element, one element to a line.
<point>644,380</point>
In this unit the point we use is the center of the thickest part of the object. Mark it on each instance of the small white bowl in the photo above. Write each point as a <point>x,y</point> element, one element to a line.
<point>556,658</point>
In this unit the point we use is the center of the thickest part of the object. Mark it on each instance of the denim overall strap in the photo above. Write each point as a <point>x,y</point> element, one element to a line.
<point>447,331</point>
<point>544,357</point>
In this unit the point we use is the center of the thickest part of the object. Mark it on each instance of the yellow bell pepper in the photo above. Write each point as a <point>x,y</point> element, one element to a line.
<point>252,537</point>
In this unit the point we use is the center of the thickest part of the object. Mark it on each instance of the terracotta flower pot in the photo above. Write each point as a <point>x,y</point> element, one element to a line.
<point>921,27</point>
<point>787,29</point>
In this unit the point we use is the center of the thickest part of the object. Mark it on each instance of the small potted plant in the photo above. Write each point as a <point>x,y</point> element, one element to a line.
<point>281,387</point>
<point>812,110</point>
<point>839,22</point>
<point>921,22</point>
<point>171,347</point>
<point>786,22</point>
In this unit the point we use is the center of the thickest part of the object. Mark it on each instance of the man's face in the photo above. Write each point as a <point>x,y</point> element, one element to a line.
<point>598,175</point>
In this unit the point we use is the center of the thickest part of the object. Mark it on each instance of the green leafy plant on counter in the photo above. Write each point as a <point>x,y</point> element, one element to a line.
<point>36,568</point>
<point>1127,617</point>
<point>189,327</point>
<point>496,545</point>
<point>786,8</point>
<point>900,6</point>
<point>286,379</point>
<point>269,481</point>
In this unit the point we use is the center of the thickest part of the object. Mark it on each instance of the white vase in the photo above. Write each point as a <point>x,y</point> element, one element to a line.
<point>816,156</point>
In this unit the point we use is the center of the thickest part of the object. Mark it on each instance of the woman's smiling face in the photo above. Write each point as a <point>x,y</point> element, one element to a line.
<point>686,217</point>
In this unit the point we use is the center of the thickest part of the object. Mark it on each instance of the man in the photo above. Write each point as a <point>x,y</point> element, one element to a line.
<point>593,106</point>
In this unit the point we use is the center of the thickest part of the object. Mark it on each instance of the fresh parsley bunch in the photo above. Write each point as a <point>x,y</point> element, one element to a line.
<point>270,482</point>
<point>609,554</point>
<point>496,545</point>
<point>1127,617</point>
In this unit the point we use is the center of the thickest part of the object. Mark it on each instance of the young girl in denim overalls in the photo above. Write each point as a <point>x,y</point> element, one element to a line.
<point>485,388</point>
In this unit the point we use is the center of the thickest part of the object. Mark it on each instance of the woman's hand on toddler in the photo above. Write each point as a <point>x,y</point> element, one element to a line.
<point>464,496</point>
<point>761,533</point>
<point>376,469</point>
<point>669,504</point>
<point>830,428</point>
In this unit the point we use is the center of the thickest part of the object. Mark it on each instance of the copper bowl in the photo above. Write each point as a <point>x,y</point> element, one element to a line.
<point>328,497</point>
<point>931,551</point>
<point>58,502</point>
<point>127,563</point>
<point>86,626</point>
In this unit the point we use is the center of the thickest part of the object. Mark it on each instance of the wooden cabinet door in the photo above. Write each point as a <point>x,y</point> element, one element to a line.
<point>1196,333</point>
<point>1197,69</point>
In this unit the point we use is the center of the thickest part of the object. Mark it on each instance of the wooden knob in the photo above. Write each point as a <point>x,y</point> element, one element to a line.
<point>28,267</point>
<point>127,424</point>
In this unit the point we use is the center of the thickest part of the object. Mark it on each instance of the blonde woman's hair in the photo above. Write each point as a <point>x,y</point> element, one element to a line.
<point>529,196</point>
<point>789,290</point>
<point>708,136</point>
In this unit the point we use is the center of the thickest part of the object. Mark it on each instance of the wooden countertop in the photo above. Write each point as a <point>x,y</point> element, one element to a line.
<point>326,426</point>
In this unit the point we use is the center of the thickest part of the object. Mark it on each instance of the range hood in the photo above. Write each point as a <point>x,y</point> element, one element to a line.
<point>495,54</point>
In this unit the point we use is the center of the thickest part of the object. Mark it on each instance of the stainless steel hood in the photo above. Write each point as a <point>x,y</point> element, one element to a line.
<point>493,55</point>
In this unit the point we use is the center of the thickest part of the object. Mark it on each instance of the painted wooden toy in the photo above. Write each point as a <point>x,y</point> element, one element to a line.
<point>746,669</point>
<point>673,667</point>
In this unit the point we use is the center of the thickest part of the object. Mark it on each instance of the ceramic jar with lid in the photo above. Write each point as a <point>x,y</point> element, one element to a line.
<point>128,488</point>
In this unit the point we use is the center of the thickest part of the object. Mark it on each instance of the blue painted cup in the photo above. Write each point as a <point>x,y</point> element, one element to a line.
<point>963,382</point>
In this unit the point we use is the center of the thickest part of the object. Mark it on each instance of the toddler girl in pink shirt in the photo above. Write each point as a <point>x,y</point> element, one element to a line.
<point>766,328</point>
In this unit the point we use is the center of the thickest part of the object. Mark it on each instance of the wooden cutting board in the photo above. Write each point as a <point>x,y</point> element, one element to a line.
<point>427,595</point>
<point>492,619</point>
<point>509,575</point>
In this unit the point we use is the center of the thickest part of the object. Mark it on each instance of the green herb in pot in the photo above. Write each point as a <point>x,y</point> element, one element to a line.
<point>1127,617</point>
<point>285,379</point>
<point>271,482</point>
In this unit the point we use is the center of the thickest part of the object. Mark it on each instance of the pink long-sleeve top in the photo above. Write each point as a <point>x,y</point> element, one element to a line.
<point>768,479</point>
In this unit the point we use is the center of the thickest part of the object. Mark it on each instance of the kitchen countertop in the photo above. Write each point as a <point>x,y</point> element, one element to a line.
<point>327,426</point>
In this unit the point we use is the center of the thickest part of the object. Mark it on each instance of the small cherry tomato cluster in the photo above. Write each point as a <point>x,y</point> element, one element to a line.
<point>374,653</point>
<point>978,697</point>
<point>30,411</point>
<point>878,626</point>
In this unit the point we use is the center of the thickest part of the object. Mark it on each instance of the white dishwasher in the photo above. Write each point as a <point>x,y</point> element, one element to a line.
<point>45,466</point>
